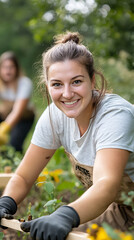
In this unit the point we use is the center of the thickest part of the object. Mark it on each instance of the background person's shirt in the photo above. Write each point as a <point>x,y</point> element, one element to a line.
<point>23,91</point>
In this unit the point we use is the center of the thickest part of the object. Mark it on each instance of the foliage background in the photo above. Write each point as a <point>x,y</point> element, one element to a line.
<point>27,27</point>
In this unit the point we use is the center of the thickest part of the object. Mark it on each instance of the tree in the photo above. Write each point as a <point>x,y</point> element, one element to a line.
<point>28,26</point>
<point>14,31</point>
<point>116,21</point>
<point>107,26</point>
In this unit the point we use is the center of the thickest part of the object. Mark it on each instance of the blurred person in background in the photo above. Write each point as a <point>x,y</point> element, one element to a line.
<point>16,110</point>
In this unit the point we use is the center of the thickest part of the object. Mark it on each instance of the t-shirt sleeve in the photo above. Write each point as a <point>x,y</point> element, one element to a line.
<point>25,88</point>
<point>46,134</point>
<point>115,129</point>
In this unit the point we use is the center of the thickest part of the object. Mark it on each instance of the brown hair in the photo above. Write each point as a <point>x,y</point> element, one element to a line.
<point>68,46</point>
<point>9,55</point>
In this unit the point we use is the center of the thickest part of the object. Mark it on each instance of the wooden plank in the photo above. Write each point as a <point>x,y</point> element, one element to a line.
<point>4,178</point>
<point>74,235</point>
<point>15,224</point>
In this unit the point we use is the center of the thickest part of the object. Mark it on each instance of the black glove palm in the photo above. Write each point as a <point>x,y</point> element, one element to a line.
<point>53,227</point>
<point>8,207</point>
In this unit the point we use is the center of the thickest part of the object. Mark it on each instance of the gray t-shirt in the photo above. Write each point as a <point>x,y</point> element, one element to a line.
<point>112,127</point>
<point>23,91</point>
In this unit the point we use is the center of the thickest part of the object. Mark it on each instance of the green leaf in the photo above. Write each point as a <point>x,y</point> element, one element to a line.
<point>49,187</point>
<point>50,203</point>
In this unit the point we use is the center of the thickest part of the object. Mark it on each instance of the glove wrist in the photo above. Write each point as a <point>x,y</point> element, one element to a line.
<point>76,216</point>
<point>71,213</point>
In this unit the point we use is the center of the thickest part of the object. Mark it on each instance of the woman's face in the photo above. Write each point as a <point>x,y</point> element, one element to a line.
<point>70,88</point>
<point>8,71</point>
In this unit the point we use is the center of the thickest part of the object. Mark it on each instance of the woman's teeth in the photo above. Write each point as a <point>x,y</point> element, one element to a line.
<point>70,103</point>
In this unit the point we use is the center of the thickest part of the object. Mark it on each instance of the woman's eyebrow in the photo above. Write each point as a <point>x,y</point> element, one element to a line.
<point>77,76</point>
<point>56,80</point>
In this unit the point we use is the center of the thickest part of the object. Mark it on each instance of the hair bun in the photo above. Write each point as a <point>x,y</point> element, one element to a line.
<point>68,36</point>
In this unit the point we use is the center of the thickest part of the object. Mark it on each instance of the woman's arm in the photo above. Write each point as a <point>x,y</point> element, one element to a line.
<point>17,112</point>
<point>107,175</point>
<point>30,167</point>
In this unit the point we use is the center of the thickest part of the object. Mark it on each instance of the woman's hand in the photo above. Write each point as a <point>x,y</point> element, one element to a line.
<point>53,227</point>
<point>4,132</point>
<point>8,207</point>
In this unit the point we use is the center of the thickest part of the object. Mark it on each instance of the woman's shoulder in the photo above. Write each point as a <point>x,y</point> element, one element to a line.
<point>113,106</point>
<point>115,101</point>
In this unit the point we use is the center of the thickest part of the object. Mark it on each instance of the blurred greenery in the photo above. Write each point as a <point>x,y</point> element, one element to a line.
<point>28,26</point>
<point>9,158</point>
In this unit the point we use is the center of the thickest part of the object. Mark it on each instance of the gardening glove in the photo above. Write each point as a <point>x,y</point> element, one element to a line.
<point>8,207</point>
<point>54,226</point>
<point>4,132</point>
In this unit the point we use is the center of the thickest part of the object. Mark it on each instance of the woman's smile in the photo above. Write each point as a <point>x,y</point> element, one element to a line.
<point>71,103</point>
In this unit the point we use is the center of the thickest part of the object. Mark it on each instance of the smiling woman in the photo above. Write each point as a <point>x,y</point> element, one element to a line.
<point>96,130</point>
<point>76,66</point>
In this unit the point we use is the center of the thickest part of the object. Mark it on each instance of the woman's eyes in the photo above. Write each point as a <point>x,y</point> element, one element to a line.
<point>77,82</point>
<point>56,84</point>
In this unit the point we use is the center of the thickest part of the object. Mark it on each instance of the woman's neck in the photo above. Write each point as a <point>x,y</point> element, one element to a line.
<point>84,121</point>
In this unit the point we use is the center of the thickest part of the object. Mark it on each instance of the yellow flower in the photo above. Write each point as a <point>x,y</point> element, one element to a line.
<point>92,231</point>
<point>91,238</point>
<point>94,226</point>
<point>45,172</point>
<point>41,180</point>
<point>88,230</point>
<point>102,235</point>
<point>98,233</point>
<point>54,174</point>
<point>127,237</point>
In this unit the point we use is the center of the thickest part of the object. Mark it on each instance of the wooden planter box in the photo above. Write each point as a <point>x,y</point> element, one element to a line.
<point>15,225</point>
<point>4,178</point>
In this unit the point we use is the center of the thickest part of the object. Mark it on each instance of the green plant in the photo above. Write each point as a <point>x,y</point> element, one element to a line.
<point>9,157</point>
<point>128,199</point>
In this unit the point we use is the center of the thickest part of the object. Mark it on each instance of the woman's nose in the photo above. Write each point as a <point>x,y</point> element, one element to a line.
<point>67,92</point>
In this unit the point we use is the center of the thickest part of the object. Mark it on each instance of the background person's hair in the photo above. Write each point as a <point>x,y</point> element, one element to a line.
<point>9,55</point>
<point>68,46</point>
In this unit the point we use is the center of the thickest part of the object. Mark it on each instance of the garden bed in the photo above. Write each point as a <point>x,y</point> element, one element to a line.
<point>4,178</point>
